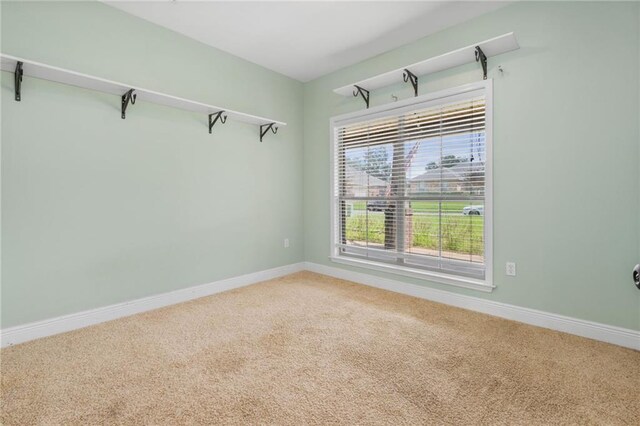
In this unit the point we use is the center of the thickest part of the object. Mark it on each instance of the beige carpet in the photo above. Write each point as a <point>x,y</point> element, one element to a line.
<point>308,349</point>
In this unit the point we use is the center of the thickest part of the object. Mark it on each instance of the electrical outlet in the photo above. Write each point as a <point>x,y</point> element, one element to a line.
<point>286,243</point>
<point>511,269</point>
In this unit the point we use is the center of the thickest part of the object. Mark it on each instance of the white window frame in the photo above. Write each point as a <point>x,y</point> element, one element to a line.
<point>424,101</point>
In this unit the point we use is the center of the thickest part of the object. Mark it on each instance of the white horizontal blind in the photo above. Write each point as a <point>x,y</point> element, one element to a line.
<point>409,188</point>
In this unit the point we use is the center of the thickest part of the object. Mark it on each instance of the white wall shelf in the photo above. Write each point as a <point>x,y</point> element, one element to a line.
<point>492,47</point>
<point>72,78</point>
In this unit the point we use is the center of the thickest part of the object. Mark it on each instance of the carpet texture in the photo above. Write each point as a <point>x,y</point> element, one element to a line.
<point>309,349</point>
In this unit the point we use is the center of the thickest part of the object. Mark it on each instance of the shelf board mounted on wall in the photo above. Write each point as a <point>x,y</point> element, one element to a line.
<point>128,94</point>
<point>478,52</point>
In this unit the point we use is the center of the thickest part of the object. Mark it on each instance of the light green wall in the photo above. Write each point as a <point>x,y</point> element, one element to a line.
<point>566,151</point>
<point>99,210</point>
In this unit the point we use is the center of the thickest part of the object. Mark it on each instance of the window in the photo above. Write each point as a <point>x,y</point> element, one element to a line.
<point>412,187</point>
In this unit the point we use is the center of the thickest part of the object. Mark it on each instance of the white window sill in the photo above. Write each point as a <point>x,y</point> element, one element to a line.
<point>474,284</point>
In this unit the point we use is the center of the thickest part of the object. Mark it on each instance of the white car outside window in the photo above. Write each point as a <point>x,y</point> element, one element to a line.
<point>473,210</point>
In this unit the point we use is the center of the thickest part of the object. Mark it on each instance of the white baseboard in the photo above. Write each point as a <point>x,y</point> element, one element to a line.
<point>22,333</point>
<point>606,333</point>
<point>593,330</point>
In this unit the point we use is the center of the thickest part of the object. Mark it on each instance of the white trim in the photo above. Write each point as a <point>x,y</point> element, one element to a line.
<point>484,87</point>
<point>23,333</point>
<point>606,333</point>
<point>488,184</point>
<point>429,99</point>
<point>423,274</point>
<point>592,330</point>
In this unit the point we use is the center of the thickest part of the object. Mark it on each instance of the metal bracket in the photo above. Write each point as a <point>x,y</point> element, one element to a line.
<point>17,79</point>
<point>265,128</point>
<point>482,58</point>
<point>126,98</point>
<point>409,76</point>
<point>362,92</point>
<point>218,116</point>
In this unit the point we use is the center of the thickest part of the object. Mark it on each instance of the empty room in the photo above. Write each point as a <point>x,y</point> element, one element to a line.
<point>320,212</point>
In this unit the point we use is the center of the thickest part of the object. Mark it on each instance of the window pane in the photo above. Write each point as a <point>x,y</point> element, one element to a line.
<point>425,230</point>
<point>371,224</point>
<point>456,229</point>
<point>367,171</point>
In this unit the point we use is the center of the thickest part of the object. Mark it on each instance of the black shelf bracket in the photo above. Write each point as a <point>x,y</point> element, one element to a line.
<point>265,128</point>
<point>218,116</point>
<point>17,79</point>
<point>482,58</point>
<point>126,98</point>
<point>362,92</point>
<point>409,76</point>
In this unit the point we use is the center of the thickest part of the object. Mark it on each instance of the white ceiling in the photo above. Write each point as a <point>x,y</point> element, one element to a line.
<point>306,39</point>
